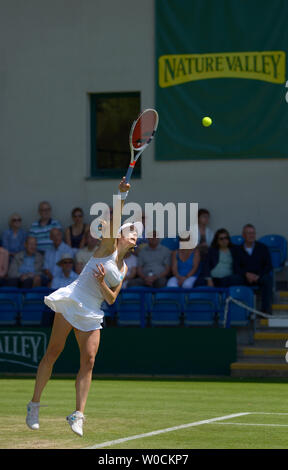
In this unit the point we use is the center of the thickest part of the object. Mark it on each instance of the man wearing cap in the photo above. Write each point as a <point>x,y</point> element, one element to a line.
<point>54,254</point>
<point>67,275</point>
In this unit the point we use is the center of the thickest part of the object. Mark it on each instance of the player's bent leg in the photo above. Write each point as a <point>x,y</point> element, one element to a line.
<point>88,344</point>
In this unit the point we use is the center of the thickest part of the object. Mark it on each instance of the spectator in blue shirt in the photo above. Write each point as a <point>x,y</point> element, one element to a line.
<point>54,254</point>
<point>185,266</point>
<point>26,267</point>
<point>40,229</point>
<point>13,239</point>
<point>67,275</point>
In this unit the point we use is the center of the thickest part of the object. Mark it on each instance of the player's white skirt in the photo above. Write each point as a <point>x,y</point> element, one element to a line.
<point>79,315</point>
<point>80,302</point>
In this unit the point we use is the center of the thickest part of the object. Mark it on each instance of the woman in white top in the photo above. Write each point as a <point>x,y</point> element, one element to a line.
<point>78,306</point>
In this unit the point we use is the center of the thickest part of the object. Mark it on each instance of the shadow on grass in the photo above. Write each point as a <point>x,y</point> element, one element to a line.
<point>223,379</point>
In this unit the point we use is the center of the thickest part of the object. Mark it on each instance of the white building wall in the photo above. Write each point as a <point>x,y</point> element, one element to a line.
<point>53,53</point>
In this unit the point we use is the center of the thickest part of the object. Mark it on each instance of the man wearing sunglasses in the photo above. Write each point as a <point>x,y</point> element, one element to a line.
<point>13,239</point>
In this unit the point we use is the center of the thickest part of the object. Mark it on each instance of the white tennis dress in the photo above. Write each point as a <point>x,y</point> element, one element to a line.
<point>80,302</point>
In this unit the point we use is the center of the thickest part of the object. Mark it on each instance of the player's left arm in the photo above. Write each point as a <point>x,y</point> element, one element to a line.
<point>110,294</point>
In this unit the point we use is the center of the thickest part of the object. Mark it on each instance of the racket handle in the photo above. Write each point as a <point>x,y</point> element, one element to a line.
<point>129,173</point>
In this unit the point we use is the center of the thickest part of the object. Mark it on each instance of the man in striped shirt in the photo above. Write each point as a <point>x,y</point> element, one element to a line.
<point>40,229</point>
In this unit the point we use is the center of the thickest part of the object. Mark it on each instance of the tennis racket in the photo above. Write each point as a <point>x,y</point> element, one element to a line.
<point>141,134</point>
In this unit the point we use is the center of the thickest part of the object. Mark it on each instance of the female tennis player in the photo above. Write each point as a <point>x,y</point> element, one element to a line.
<point>78,306</point>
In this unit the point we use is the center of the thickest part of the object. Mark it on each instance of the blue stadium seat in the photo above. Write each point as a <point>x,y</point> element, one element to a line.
<point>237,239</point>
<point>200,308</point>
<point>239,316</point>
<point>166,309</point>
<point>33,307</point>
<point>277,245</point>
<point>10,301</point>
<point>129,308</point>
<point>171,243</point>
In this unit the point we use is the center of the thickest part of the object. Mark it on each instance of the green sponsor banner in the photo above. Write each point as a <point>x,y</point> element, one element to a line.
<point>21,350</point>
<point>127,351</point>
<point>225,59</point>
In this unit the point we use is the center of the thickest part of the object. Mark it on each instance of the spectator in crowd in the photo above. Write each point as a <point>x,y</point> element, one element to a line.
<point>13,239</point>
<point>142,241</point>
<point>53,255</point>
<point>75,233</point>
<point>26,267</point>
<point>254,267</point>
<point>4,263</point>
<point>185,266</point>
<point>67,275</point>
<point>131,262</point>
<point>82,256</point>
<point>110,213</point>
<point>219,263</point>
<point>205,234</point>
<point>154,262</point>
<point>40,229</point>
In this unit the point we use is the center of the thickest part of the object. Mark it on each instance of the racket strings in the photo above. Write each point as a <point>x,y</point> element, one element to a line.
<point>144,129</point>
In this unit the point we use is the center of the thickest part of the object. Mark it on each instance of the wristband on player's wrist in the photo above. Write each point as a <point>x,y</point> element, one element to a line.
<point>122,195</point>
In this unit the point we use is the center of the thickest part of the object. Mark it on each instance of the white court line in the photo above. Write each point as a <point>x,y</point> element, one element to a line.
<point>260,424</point>
<point>263,413</point>
<point>162,431</point>
<point>255,424</point>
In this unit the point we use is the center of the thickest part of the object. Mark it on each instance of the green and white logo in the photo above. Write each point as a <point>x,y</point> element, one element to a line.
<point>22,347</point>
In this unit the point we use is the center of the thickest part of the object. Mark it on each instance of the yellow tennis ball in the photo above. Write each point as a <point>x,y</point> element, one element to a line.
<point>206,121</point>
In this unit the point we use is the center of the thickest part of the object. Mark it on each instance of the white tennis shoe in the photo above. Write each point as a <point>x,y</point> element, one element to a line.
<point>76,420</point>
<point>32,418</point>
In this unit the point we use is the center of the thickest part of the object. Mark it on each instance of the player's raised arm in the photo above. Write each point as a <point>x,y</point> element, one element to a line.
<point>109,227</point>
<point>118,204</point>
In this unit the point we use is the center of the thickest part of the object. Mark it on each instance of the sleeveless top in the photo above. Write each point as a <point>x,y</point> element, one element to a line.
<point>185,266</point>
<point>76,239</point>
<point>85,286</point>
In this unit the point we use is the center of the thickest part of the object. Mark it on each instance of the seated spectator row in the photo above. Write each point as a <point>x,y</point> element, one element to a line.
<point>53,268</point>
<point>223,265</point>
<point>14,237</point>
<point>53,258</point>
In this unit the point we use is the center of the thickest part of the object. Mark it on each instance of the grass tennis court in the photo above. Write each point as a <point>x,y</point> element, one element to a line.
<point>119,408</point>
